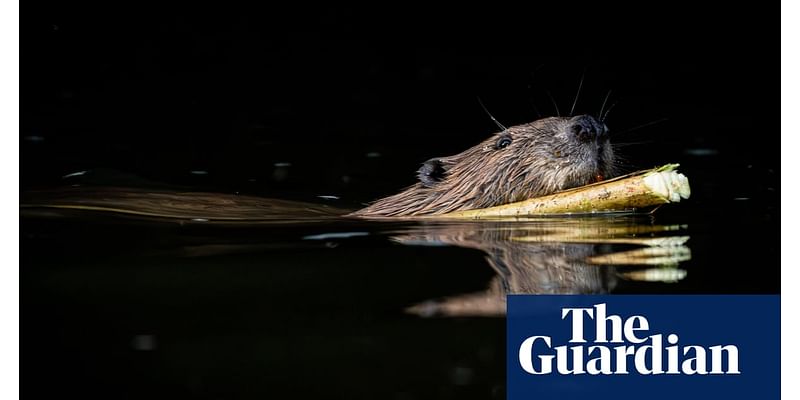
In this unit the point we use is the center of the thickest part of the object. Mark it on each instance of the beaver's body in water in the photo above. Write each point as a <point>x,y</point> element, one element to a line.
<point>521,162</point>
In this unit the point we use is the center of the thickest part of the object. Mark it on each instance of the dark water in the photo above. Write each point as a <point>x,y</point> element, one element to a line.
<point>337,308</point>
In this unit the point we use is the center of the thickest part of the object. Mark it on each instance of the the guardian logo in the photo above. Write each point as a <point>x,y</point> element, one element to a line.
<point>619,347</point>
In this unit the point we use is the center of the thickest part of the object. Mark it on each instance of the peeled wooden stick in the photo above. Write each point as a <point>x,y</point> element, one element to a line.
<point>628,192</point>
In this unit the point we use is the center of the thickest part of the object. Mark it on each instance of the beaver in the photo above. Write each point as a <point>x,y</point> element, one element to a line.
<point>517,163</point>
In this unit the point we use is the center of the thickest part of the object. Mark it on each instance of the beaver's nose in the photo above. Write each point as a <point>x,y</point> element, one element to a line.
<point>587,128</point>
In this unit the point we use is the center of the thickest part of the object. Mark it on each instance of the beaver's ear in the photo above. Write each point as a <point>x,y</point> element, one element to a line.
<point>431,172</point>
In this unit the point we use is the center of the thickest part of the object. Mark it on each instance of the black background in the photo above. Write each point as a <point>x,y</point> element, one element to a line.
<point>158,92</point>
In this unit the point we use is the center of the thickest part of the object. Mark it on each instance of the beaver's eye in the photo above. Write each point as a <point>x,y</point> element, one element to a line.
<point>503,142</point>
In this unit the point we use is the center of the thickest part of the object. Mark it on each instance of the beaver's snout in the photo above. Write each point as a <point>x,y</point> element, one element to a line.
<point>587,128</point>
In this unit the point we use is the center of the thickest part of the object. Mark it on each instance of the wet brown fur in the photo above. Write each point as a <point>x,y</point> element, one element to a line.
<point>543,157</point>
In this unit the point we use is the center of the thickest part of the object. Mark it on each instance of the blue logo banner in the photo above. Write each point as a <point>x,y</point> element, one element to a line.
<point>643,347</point>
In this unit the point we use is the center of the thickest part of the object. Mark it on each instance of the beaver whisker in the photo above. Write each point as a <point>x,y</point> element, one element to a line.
<point>554,103</point>
<point>618,145</point>
<point>535,109</point>
<point>603,119</point>
<point>578,93</point>
<point>499,125</point>
<point>599,115</point>
<point>636,128</point>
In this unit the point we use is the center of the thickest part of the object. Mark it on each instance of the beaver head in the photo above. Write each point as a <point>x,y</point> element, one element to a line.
<point>523,161</point>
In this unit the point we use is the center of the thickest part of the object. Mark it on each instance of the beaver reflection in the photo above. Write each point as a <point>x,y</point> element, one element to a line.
<point>552,259</point>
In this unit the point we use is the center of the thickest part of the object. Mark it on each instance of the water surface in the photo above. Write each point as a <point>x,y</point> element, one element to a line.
<point>333,307</point>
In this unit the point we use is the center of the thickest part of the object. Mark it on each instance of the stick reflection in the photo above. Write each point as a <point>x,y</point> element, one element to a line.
<point>555,256</point>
